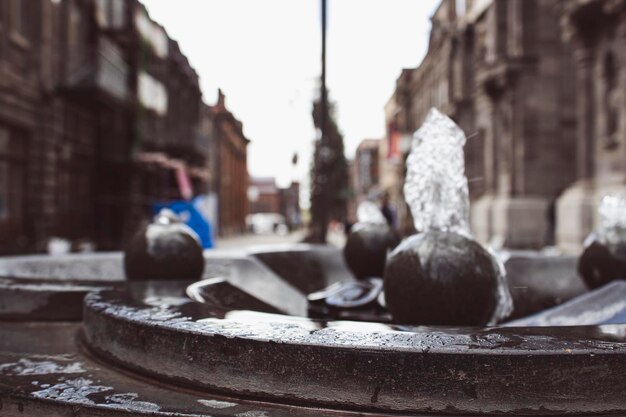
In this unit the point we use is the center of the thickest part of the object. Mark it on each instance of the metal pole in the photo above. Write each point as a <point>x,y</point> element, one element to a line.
<point>324,197</point>
<point>321,181</point>
<point>324,98</point>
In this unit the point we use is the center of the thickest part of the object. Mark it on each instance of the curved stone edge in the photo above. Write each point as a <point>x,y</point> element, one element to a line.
<point>429,378</point>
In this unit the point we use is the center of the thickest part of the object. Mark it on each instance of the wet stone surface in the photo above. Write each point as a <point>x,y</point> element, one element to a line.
<point>52,288</point>
<point>350,300</point>
<point>605,305</point>
<point>83,267</point>
<point>342,364</point>
<point>441,278</point>
<point>220,293</point>
<point>58,378</point>
<point>307,268</point>
<point>149,345</point>
<point>49,300</point>
<point>538,282</point>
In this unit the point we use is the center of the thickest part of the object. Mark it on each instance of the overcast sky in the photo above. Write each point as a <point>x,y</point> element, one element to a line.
<point>265,56</point>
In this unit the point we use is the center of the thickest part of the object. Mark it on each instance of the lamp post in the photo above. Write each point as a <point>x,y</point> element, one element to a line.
<point>323,97</point>
<point>321,196</point>
<point>324,140</point>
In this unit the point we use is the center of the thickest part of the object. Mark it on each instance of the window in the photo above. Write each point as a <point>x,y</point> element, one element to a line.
<point>4,174</point>
<point>77,41</point>
<point>460,8</point>
<point>611,101</point>
<point>117,13</point>
<point>19,16</point>
<point>111,14</point>
<point>11,174</point>
<point>74,28</point>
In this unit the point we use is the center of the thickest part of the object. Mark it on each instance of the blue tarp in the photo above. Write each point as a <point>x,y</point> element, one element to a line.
<point>192,218</point>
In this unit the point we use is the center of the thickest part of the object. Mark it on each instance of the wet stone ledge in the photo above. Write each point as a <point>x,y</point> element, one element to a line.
<point>150,349</point>
<point>367,366</point>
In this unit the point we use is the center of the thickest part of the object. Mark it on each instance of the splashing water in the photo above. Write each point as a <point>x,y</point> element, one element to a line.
<point>368,212</point>
<point>612,211</point>
<point>612,227</point>
<point>166,216</point>
<point>436,187</point>
<point>436,190</point>
<point>504,308</point>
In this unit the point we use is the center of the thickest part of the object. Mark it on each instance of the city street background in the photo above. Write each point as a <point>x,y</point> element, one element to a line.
<point>111,110</point>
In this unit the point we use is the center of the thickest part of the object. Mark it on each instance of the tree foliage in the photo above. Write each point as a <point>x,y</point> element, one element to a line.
<point>329,173</point>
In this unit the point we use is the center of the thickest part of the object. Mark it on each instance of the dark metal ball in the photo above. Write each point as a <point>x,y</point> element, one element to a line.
<point>604,259</point>
<point>164,251</point>
<point>366,249</point>
<point>441,278</point>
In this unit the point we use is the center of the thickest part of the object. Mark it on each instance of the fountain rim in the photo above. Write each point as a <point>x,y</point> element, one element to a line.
<point>243,365</point>
<point>582,335</point>
<point>359,371</point>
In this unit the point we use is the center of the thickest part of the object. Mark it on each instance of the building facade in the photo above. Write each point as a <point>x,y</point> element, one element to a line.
<point>91,132</point>
<point>366,168</point>
<point>595,31</point>
<point>290,205</point>
<point>265,196</point>
<point>501,70</point>
<point>228,164</point>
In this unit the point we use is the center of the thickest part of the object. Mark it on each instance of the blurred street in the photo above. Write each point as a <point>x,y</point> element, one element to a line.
<point>111,111</point>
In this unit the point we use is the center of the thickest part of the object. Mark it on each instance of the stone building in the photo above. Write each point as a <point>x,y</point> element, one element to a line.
<point>228,163</point>
<point>501,71</point>
<point>399,129</point>
<point>367,168</point>
<point>168,149</point>
<point>290,205</point>
<point>595,31</point>
<point>264,196</point>
<point>360,176</point>
<point>91,133</point>
<point>374,172</point>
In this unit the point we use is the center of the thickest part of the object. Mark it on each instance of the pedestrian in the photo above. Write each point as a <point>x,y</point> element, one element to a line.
<point>388,212</point>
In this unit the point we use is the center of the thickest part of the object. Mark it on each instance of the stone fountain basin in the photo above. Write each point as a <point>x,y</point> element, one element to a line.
<point>360,366</point>
<point>154,330</point>
<point>41,287</point>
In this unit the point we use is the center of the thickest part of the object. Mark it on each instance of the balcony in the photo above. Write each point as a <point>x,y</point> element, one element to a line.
<point>102,70</point>
<point>202,144</point>
<point>111,14</point>
<point>188,145</point>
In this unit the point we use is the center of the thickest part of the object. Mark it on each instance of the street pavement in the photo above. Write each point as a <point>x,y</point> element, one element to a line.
<point>335,238</point>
